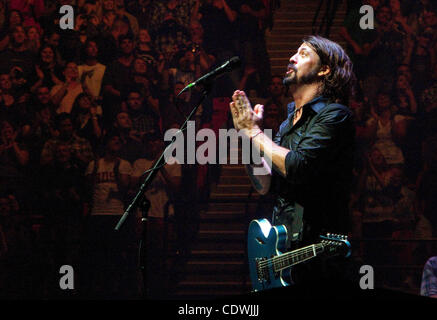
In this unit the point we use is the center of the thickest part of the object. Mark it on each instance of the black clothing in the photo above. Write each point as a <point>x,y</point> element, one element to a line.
<point>318,170</point>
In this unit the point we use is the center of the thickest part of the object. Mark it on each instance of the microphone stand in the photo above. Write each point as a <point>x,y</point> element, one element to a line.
<point>140,198</point>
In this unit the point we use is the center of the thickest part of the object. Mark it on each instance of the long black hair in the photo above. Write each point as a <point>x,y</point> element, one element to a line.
<point>339,84</point>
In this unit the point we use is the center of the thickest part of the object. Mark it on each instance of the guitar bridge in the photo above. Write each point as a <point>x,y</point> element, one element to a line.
<point>262,269</point>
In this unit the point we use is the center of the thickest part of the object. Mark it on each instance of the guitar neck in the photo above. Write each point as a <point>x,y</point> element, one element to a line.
<point>291,258</point>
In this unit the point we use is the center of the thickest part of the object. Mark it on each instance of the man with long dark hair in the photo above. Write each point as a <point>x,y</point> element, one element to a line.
<point>309,162</point>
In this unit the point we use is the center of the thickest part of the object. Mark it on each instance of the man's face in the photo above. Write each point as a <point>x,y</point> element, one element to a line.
<point>123,121</point>
<point>383,15</point>
<point>114,144</point>
<point>303,67</point>
<point>134,101</point>
<point>19,35</point>
<point>66,128</point>
<point>108,5</point>
<point>91,49</point>
<point>43,95</point>
<point>144,36</point>
<point>5,82</point>
<point>71,71</point>
<point>126,46</point>
<point>63,153</point>
<point>47,55</point>
<point>276,87</point>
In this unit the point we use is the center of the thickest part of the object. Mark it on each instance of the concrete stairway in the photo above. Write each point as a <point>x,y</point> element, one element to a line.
<point>217,263</point>
<point>292,21</point>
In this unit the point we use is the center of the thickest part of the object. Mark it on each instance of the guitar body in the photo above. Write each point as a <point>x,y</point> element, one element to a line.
<point>264,242</point>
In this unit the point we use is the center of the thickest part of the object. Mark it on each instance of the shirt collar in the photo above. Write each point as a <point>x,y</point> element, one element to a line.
<point>316,104</point>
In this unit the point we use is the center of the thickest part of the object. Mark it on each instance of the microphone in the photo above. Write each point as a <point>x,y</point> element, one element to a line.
<point>228,66</point>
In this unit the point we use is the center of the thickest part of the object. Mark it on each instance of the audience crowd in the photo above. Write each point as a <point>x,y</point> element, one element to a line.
<point>83,113</point>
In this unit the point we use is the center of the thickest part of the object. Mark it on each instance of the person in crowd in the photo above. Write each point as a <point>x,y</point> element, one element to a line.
<point>91,71</point>
<point>386,131</point>
<point>64,195</point>
<point>18,58</point>
<point>80,148</point>
<point>161,194</point>
<point>108,253</point>
<point>130,141</point>
<point>118,76</point>
<point>145,118</point>
<point>87,118</point>
<point>221,13</point>
<point>49,72</point>
<point>64,94</point>
<point>14,158</point>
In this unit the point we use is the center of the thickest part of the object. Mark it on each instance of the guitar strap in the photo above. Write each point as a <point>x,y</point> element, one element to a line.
<point>297,227</point>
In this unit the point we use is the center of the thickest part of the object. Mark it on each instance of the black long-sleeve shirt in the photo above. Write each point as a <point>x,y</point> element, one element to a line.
<point>318,170</point>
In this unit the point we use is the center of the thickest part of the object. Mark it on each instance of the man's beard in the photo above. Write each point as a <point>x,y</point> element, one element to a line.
<point>308,78</point>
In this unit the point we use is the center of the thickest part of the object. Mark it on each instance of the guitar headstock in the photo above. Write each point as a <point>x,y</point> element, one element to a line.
<point>336,244</point>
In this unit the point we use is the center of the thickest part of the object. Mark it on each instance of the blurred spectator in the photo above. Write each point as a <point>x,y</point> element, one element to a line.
<point>52,38</point>
<point>87,118</point>
<point>145,49</point>
<point>130,142</point>
<point>385,130</point>
<point>64,94</point>
<point>142,10</point>
<point>91,71</point>
<point>251,82</point>
<point>106,252</point>
<point>80,148</point>
<point>385,53</point>
<point>159,229</point>
<point>33,39</point>
<point>17,59</point>
<point>219,14</point>
<point>62,186</point>
<point>118,77</point>
<point>120,10</point>
<point>423,57</point>
<point>251,40</point>
<point>15,251</point>
<point>357,39</point>
<point>14,157</point>
<point>169,26</point>
<point>49,72</point>
<point>427,183</point>
<point>143,79</point>
<point>375,205</point>
<point>145,118</point>
<point>277,96</point>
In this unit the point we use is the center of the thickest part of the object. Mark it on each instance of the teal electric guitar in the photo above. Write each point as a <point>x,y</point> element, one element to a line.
<point>268,265</point>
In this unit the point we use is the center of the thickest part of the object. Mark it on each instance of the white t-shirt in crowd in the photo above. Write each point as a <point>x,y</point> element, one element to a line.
<point>105,200</point>
<point>157,192</point>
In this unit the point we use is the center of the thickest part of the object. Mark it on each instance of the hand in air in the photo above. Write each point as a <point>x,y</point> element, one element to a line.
<point>244,117</point>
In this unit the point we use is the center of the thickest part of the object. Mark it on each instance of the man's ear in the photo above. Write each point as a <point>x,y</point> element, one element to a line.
<point>324,70</point>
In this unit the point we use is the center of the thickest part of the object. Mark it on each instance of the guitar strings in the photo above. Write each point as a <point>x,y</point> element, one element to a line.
<point>285,257</point>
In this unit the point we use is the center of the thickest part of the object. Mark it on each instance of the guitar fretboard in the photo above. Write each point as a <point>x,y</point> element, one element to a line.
<point>294,257</point>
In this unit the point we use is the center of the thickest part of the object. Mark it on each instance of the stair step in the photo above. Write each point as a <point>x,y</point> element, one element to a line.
<point>225,207</point>
<point>222,226</point>
<point>237,180</point>
<point>230,188</point>
<point>218,255</point>
<point>221,235</point>
<point>215,267</point>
